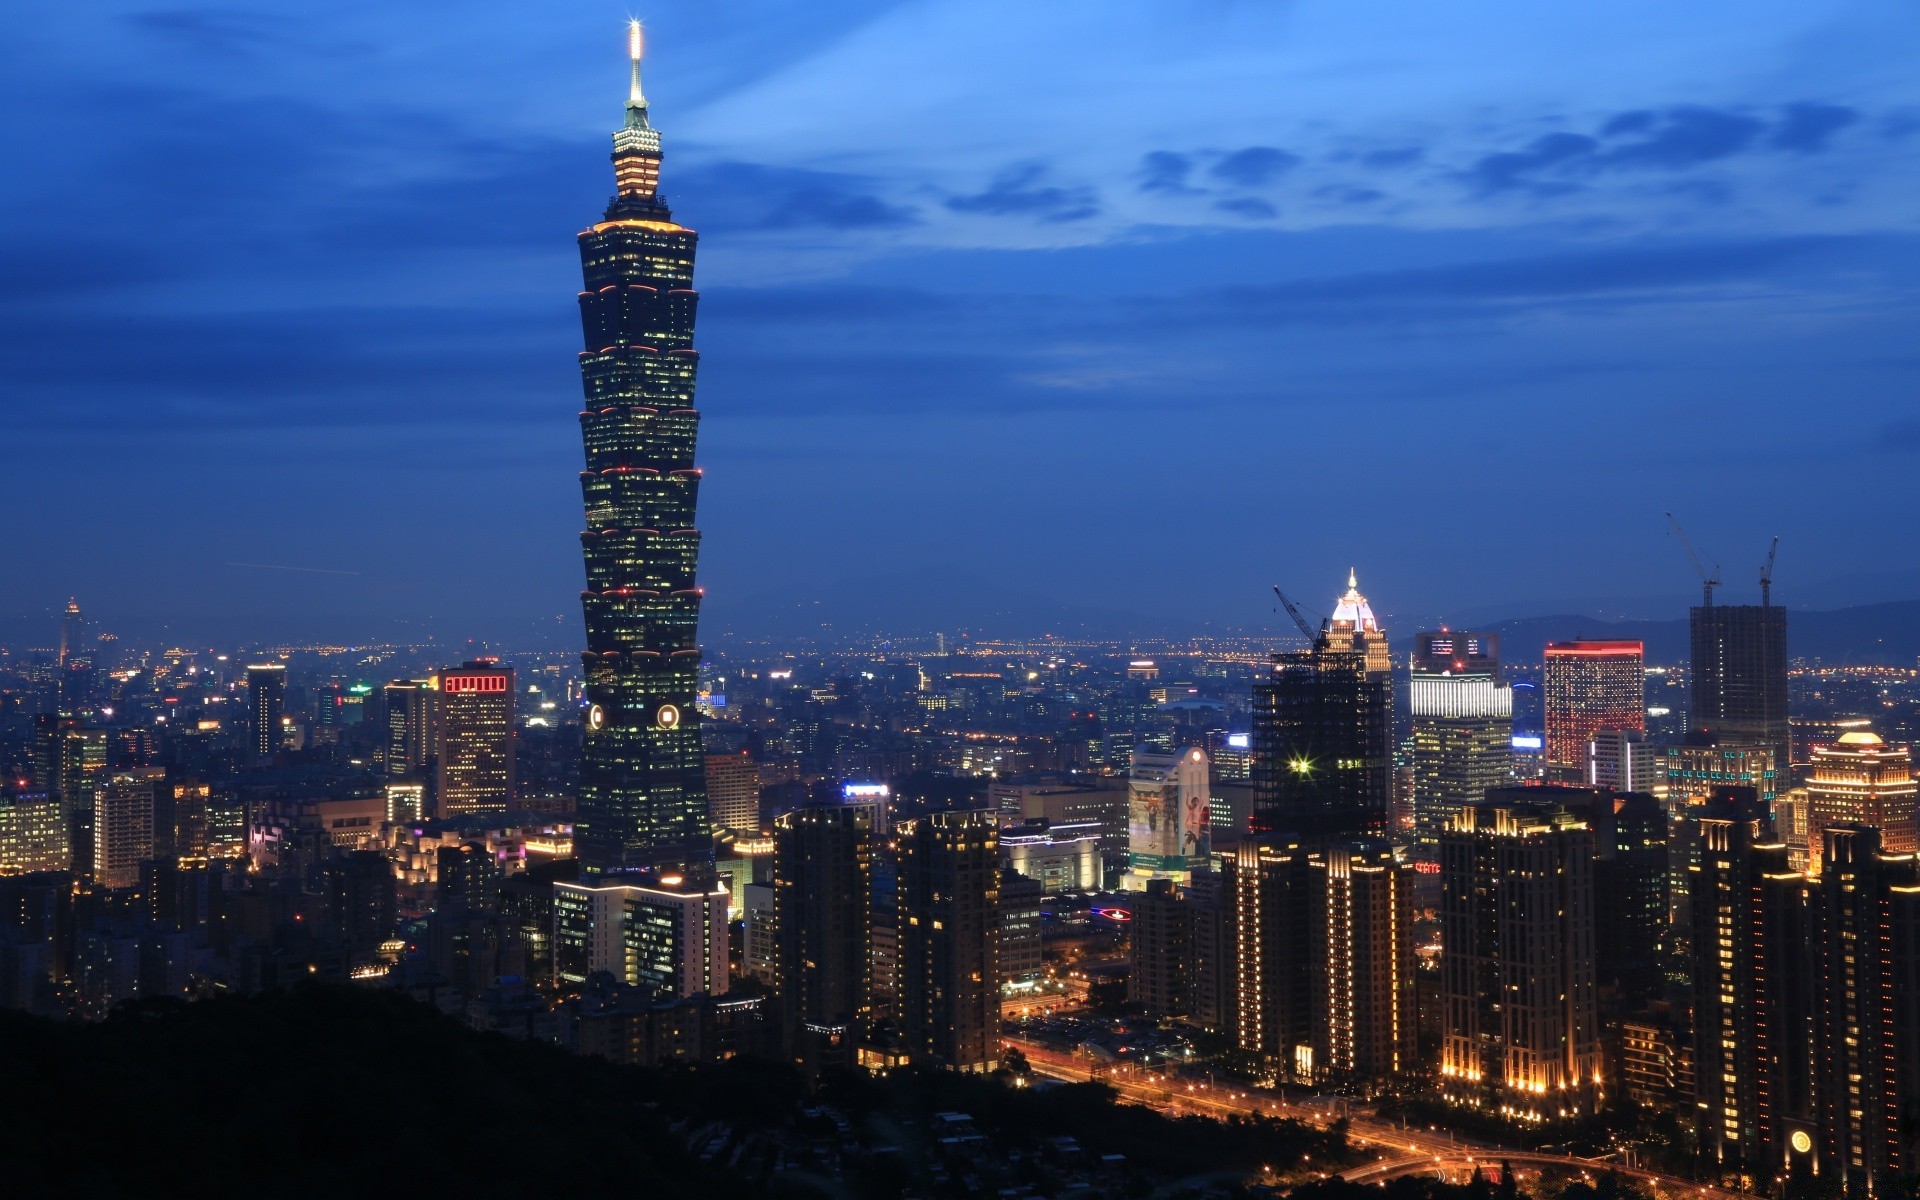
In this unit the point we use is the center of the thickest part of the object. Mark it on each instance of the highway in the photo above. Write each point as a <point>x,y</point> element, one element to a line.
<point>1402,1151</point>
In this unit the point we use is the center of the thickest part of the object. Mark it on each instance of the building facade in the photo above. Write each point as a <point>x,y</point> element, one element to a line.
<point>474,757</point>
<point>1588,686</point>
<point>948,913</point>
<point>1462,726</point>
<point>1738,682</point>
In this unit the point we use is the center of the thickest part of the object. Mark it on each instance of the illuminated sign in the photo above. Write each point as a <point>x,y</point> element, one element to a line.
<point>1523,741</point>
<point>864,791</point>
<point>1239,741</point>
<point>596,717</point>
<point>468,684</point>
<point>668,717</point>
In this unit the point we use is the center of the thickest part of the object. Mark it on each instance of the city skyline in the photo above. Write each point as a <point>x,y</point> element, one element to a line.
<point>1497,260</point>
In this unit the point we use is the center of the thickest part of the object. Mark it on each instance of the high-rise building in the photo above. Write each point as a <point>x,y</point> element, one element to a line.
<point>1623,760</point>
<point>1160,950</point>
<point>1862,779</point>
<point>1212,983</point>
<point>1365,1023</point>
<point>1630,887</point>
<point>1462,726</point>
<point>643,800</point>
<point>411,730</point>
<point>123,826</point>
<point>1322,739</point>
<point>733,792</point>
<point>1168,827</point>
<point>823,893</point>
<point>1739,676</point>
<point>948,913</point>
<point>266,706</point>
<point>667,933</point>
<point>1692,774</point>
<point>1589,686</point>
<point>33,833</point>
<point>474,758</point>
<point>1868,950</point>
<point>73,631</point>
<point>1519,1010</point>
<point>1741,896</point>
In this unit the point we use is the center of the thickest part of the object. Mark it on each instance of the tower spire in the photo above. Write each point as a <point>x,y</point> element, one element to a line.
<point>636,96</point>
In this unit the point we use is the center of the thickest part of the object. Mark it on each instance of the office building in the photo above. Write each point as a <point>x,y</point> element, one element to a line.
<point>1519,1010</point>
<point>1692,774</point>
<point>948,913</point>
<point>1061,858</point>
<point>474,754</point>
<point>266,706</point>
<point>1023,945</point>
<point>1738,668</point>
<point>33,833</point>
<point>1322,738</point>
<point>823,893</point>
<point>733,793</point>
<point>1623,760</point>
<point>1168,826</point>
<point>1588,686</point>
<point>666,933</point>
<point>73,632</point>
<point>123,819</point>
<point>412,734</point>
<point>643,801</point>
<point>1462,726</point>
<point>1862,779</point>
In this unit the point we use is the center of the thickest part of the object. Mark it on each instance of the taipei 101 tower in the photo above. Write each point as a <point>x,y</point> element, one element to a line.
<point>643,795</point>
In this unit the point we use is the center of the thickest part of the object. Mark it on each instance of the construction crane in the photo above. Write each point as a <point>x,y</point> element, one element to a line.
<point>1709,580</point>
<point>1293,610</point>
<point>1766,573</point>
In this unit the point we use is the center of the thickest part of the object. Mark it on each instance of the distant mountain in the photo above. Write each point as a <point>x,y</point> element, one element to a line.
<point>1865,633</point>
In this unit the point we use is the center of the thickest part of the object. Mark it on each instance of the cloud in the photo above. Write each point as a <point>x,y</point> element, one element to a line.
<point>1677,138</point>
<point>750,195</point>
<point>1013,193</point>
<point>1254,166</point>
<point>1248,206</point>
<point>1500,172</point>
<point>1165,171</point>
<point>1807,127</point>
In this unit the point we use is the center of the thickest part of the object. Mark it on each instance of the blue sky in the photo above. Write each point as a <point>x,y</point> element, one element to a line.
<point>1126,306</point>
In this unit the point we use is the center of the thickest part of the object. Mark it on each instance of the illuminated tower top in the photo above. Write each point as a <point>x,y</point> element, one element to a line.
<point>636,146</point>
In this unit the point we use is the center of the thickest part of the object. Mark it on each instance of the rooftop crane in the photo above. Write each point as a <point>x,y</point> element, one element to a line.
<point>1708,580</point>
<point>1293,611</point>
<point>1766,573</point>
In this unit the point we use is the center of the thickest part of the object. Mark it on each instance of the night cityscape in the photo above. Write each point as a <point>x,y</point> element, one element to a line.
<point>1307,600</point>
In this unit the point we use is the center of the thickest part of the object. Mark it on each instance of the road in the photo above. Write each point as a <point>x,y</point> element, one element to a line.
<point>1402,1151</point>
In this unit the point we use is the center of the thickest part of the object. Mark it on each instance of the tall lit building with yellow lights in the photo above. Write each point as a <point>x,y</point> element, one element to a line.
<point>643,802</point>
<point>1519,1001</point>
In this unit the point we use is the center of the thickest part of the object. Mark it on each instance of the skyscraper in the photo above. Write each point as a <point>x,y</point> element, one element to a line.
<point>643,800</point>
<point>1322,740</point>
<point>123,826</point>
<point>733,792</point>
<point>266,702</point>
<point>73,631</point>
<point>949,917</point>
<point>1590,686</point>
<point>410,727</point>
<point>1739,676</point>
<point>823,894</point>
<point>474,759</point>
<point>1520,1016</point>
<point>1462,726</point>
